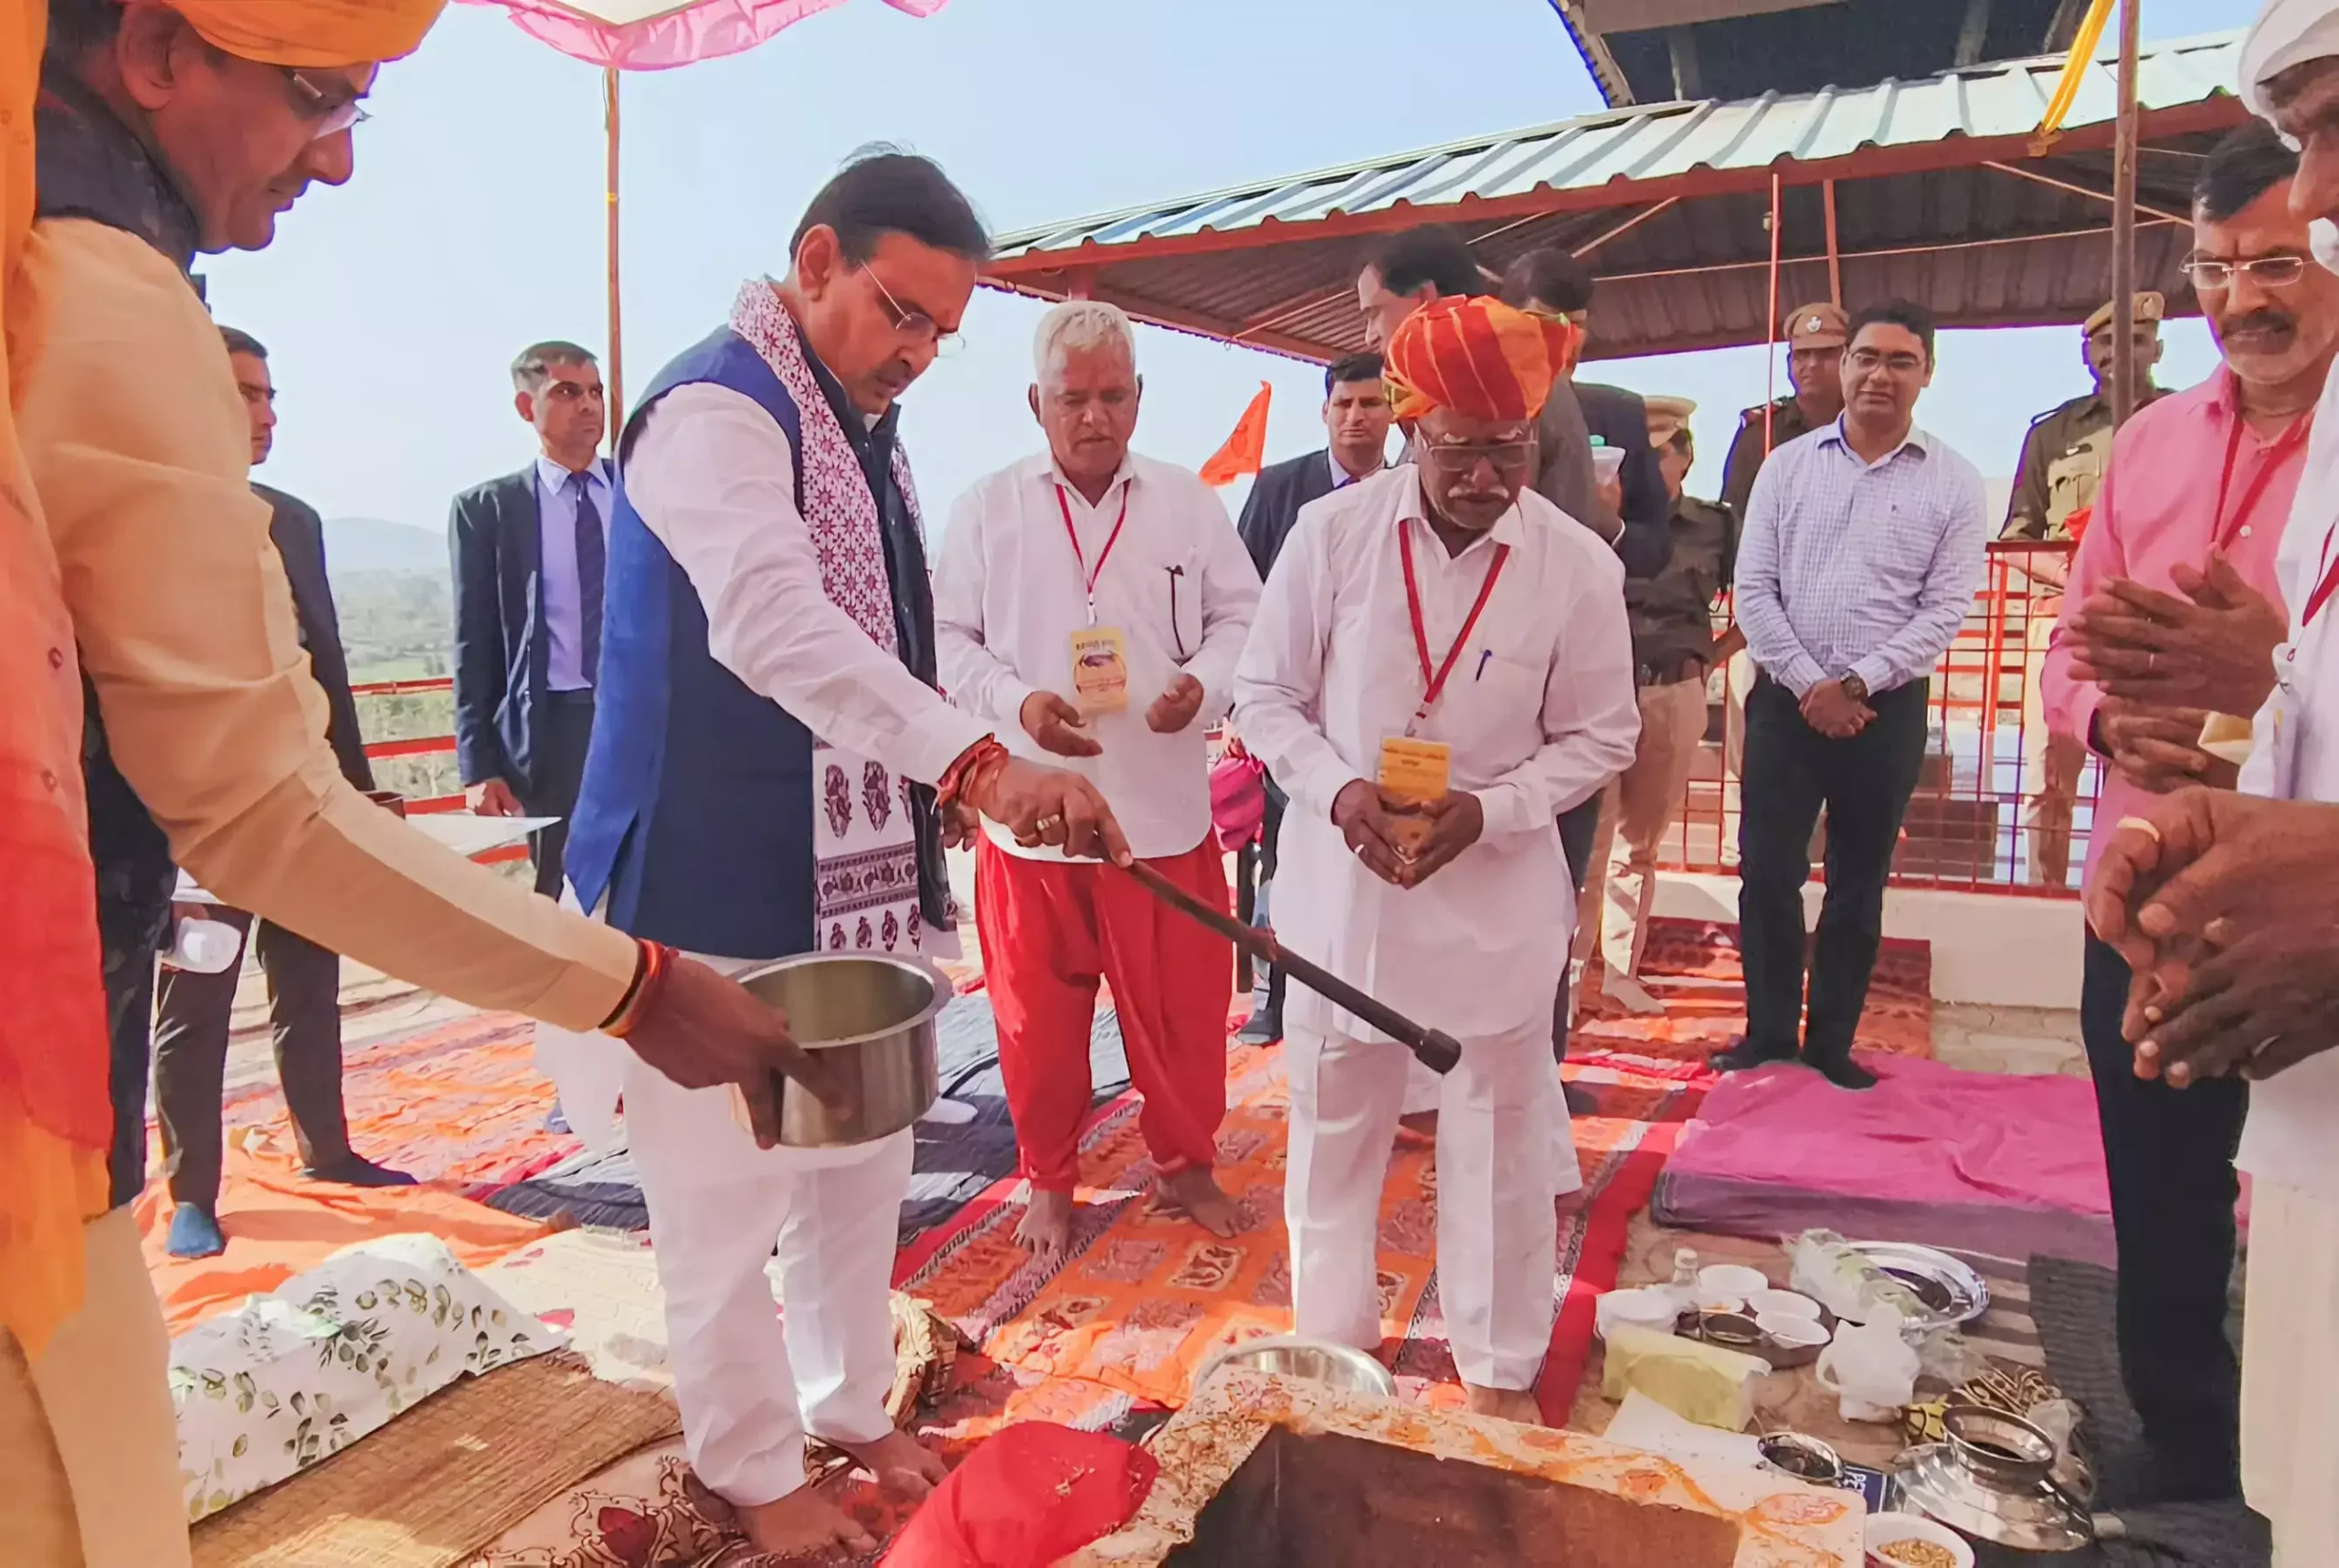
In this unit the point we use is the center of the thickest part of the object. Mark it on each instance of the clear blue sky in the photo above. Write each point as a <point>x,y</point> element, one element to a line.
<point>474,225</point>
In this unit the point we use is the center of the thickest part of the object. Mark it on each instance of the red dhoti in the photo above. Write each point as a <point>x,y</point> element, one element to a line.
<point>1050,930</point>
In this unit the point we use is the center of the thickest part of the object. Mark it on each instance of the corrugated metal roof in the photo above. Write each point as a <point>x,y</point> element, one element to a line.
<point>1657,141</point>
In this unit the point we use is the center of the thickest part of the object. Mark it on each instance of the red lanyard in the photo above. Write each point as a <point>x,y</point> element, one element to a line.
<point>2227,529</point>
<point>1089,577</point>
<point>1434,683</point>
<point>2323,589</point>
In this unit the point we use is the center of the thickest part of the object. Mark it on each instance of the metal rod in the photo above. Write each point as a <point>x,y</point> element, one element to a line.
<point>2020,173</point>
<point>1834,257</point>
<point>617,315</point>
<point>1868,255</point>
<point>1439,1053</point>
<point>1589,246</point>
<point>1770,325</point>
<point>2124,224</point>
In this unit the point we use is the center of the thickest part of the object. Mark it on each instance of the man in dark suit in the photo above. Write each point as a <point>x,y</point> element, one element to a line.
<point>1356,423</point>
<point>530,550</point>
<point>191,1009</point>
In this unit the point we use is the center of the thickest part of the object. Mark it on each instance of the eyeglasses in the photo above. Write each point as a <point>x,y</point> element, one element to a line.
<point>1508,457</point>
<point>2266,272</point>
<point>328,114</point>
<point>917,324</point>
<point>1868,360</point>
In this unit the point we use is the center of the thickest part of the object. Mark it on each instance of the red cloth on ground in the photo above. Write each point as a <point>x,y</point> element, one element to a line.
<point>1050,929</point>
<point>1033,1494</point>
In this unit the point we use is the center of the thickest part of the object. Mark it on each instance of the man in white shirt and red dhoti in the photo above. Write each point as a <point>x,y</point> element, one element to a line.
<point>1091,603</point>
<point>1440,666</point>
<point>770,769</point>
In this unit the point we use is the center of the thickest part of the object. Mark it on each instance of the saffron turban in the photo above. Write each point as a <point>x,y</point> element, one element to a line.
<point>312,34</point>
<point>1479,357</point>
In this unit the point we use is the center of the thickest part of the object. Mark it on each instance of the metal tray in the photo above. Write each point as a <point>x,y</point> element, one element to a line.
<point>1952,1293</point>
<point>2031,1519</point>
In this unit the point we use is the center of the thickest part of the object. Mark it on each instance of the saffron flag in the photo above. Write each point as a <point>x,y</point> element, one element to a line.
<point>1247,447</point>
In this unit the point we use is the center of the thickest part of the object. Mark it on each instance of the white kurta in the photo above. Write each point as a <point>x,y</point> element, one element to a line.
<point>1010,592</point>
<point>712,476</point>
<point>2290,1372</point>
<point>1539,713</point>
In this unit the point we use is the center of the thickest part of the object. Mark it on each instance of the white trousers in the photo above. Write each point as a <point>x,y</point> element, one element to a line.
<point>1424,1092</point>
<point>1497,1233</point>
<point>751,1383</point>
<point>2290,1372</point>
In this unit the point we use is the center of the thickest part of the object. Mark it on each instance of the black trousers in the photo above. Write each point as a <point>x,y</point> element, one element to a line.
<point>1791,770</point>
<point>566,720</point>
<point>191,1054</point>
<point>1579,826</point>
<point>1255,874</point>
<point>2169,1154</point>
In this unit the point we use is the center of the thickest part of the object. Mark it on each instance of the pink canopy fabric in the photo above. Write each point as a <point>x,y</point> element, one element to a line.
<point>658,35</point>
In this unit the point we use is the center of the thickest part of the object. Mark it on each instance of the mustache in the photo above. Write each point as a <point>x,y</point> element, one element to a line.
<point>2264,319</point>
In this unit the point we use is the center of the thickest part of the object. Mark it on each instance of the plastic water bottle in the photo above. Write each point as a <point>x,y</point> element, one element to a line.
<point>1684,1283</point>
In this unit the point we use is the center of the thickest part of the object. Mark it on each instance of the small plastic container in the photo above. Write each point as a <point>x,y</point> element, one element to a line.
<point>204,946</point>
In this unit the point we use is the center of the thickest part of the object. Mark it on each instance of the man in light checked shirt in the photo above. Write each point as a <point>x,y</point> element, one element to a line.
<point>1862,550</point>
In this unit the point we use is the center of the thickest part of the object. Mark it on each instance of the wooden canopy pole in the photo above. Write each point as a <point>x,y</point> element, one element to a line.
<point>617,318</point>
<point>2123,224</point>
<point>1834,255</point>
<point>1771,324</point>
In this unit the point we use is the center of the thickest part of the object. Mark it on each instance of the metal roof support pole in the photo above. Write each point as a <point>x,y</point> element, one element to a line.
<point>1080,283</point>
<point>2123,224</point>
<point>617,319</point>
<point>1834,257</point>
<point>1770,322</point>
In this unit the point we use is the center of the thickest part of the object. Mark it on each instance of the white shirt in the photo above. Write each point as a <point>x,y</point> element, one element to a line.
<point>1540,712</point>
<point>1009,593</point>
<point>712,476</point>
<point>2289,1136</point>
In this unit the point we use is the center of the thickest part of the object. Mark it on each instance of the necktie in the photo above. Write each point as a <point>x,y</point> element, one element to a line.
<point>592,553</point>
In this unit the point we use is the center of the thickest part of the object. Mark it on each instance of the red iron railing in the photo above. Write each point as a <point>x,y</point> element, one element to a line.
<point>424,746</point>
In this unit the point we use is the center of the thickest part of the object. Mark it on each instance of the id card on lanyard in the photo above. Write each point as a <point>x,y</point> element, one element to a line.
<point>1100,654</point>
<point>1413,769</point>
<point>2284,708</point>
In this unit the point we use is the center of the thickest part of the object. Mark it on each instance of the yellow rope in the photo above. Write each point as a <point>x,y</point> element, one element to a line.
<point>2067,85</point>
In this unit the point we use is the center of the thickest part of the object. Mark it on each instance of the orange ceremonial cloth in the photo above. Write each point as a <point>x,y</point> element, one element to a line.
<point>312,33</point>
<point>1479,357</point>
<point>55,1119</point>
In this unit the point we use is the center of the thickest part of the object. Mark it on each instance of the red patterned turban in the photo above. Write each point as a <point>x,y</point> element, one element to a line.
<point>1479,357</point>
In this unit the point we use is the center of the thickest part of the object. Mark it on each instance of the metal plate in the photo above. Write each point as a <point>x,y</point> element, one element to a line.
<point>1952,1293</point>
<point>2031,1520</point>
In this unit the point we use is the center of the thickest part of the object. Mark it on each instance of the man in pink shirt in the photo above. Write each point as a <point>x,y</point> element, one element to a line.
<point>2173,615</point>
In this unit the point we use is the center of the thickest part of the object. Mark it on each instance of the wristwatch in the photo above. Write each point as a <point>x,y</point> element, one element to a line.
<point>1854,688</point>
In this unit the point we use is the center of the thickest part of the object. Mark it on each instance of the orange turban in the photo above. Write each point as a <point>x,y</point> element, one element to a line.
<point>312,33</point>
<point>1479,357</point>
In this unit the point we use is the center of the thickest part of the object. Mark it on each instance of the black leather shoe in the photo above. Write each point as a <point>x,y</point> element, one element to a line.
<point>1264,1027</point>
<point>1743,1052</point>
<point>1841,1071</point>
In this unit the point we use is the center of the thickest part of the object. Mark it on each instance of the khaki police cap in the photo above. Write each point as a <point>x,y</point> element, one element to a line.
<point>1667,416</point>
<point>2149,307</point>
<point>1822,325</point>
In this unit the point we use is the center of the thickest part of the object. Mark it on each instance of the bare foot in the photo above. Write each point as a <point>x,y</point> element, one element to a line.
<point>1195,1194</point>
<point>1046,1229</point>
<point>1507,1403</point>
<point>802,1525</point>
<point>905,1471</point>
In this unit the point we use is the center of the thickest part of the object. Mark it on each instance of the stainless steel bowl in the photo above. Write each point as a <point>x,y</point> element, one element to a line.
<point>869,1018</point>
<point>1997,1449</point>
<point>1342,1366</point>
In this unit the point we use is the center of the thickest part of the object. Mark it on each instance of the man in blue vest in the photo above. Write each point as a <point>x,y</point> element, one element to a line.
<point>770,770</point>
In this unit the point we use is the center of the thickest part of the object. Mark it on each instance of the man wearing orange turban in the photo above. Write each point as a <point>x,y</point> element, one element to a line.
<point>1439,667</point>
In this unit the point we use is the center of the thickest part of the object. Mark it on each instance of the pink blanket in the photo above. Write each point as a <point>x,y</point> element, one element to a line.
<point>1991,1162</point>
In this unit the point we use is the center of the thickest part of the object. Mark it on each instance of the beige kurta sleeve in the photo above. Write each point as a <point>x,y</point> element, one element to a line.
<point>137,439</point>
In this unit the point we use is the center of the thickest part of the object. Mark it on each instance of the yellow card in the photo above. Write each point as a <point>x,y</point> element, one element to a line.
<point>1414,772</point>
<point>1100,669</point>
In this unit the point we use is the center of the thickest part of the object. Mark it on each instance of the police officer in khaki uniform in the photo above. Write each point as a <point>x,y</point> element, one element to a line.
<point>1815,336</point>
<point>2063,459</point>
<point>1674,649</point>
<point>2064,453</point>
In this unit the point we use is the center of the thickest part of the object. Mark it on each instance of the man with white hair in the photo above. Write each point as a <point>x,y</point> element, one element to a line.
<point>1092,603</point>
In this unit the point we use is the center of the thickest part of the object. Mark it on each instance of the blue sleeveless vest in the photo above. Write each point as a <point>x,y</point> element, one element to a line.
<point>696,814</point>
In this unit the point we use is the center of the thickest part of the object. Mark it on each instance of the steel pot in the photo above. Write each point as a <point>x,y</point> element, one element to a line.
<point>869,1018</point>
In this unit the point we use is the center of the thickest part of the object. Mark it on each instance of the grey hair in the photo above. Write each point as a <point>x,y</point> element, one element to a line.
<point>1081,324</point>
